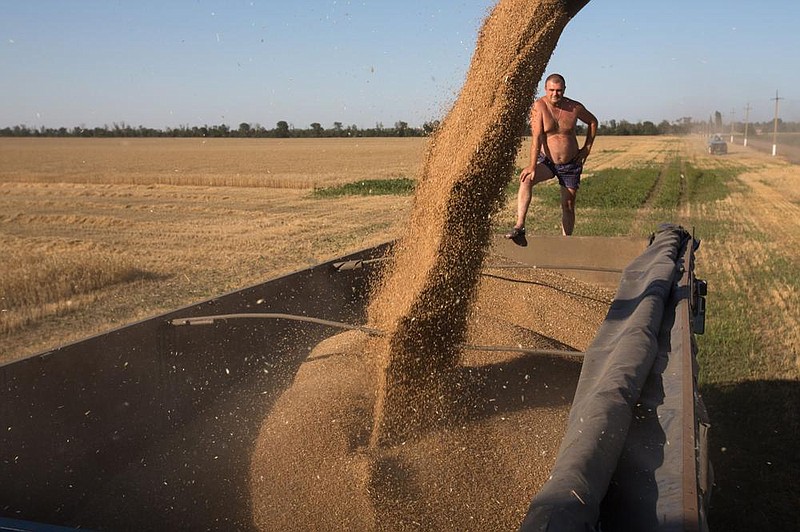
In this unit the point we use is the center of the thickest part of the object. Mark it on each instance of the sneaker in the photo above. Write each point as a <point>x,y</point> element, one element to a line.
<point>516,232</point>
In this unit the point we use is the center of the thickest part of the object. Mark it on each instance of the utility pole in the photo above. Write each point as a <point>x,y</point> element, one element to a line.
<point>746,121</point>
<point>775,126</point>
<point>733,114</point>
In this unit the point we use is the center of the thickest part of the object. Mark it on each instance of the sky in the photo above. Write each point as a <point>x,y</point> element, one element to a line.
<point>168,63</point>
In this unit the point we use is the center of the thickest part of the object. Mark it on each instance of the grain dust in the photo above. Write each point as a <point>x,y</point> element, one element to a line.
<point>425,297</point>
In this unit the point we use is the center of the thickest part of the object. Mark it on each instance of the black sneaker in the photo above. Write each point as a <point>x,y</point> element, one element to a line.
<point>516,232</point>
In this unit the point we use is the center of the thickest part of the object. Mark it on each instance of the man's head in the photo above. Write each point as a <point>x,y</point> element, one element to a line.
<point>554,87</point>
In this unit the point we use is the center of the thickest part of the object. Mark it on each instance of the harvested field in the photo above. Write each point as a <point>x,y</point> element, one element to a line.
<point>271,163</point>
<point>178,243</point>
<point>184,243</point>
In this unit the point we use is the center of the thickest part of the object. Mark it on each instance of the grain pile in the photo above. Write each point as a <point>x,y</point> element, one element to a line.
<point>405,431</point>
<point>313,467</point>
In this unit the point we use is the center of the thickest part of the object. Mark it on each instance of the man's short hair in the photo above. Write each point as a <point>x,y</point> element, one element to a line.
<point>556,77</point>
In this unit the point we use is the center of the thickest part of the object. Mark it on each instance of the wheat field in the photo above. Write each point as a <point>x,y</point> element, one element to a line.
<point>97,233</point>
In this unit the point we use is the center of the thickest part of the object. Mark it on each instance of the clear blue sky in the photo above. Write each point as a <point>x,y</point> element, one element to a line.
<point>164,63</point>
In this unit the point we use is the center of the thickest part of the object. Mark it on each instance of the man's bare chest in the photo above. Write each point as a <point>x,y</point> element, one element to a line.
<point>557,119</point>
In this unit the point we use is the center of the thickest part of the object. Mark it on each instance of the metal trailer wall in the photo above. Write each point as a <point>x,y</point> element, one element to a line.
<point>151,426</point>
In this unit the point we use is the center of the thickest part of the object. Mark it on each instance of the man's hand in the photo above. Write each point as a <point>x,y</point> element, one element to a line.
<point>527,173</point>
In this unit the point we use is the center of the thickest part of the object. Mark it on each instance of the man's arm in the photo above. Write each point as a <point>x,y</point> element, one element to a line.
<point>591,131</point>
<point>537,126</point>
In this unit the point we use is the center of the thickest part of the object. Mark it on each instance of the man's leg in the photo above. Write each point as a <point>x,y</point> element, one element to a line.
<point>524,196</point>
<point>540,173</point>
<point>568,196</point>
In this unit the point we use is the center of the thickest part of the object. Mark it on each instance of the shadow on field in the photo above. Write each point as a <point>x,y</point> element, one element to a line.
<point>755,431</point>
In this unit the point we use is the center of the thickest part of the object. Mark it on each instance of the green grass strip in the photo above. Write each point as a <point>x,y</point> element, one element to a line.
<point>672,186</point>
<point>618,189</point>
<point>369,187</point>
<point>608,188</point>
<point>706,186</point>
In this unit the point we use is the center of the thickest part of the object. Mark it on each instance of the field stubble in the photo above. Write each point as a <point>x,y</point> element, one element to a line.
<point>150,245</point>
<point>271,163</point>
<point>750,354</point>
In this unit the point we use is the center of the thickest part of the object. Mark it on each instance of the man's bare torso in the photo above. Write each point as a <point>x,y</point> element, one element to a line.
<point>559,142</point>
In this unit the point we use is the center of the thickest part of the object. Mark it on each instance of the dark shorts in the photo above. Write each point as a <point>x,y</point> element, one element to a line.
<point>568,174</point>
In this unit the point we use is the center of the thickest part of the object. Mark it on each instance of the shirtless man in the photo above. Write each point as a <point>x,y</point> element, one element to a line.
<point>554,152</point>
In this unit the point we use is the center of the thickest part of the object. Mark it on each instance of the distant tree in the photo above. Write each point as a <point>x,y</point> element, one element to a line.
<point>282,129</point>
<point>430,127</point>
<point>624,128</point>
<point>648,128</point>
<point>221,130</point>
<point>718,120</point>
<point>400,128</point>
<point>679,126</point>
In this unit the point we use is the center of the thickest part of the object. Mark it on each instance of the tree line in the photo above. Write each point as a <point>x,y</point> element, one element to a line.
<point>283,129</point>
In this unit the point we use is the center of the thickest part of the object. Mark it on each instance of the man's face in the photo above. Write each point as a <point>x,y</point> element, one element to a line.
<point>554,91</point>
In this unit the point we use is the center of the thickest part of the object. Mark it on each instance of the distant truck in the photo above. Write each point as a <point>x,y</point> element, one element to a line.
<point>717,146</point>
